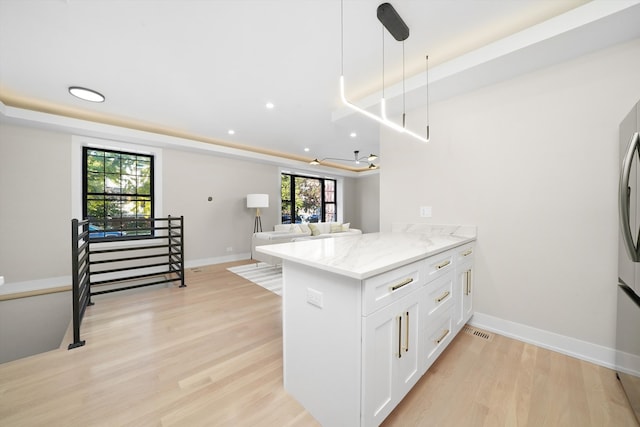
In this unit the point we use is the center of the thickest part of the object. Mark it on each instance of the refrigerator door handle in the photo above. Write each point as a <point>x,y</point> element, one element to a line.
<point>623,199</point>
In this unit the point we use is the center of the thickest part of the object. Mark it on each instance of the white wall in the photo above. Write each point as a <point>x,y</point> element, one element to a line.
<point>35,207</point>
<point>36,171</point>
<point>33,325</point>
<point>350,209</point>
<point>533,162</point>
<point>35,204</point>
<point>211,228</point>
<point>35,222</point>
<point>368,202</point>
<point>361,202</point>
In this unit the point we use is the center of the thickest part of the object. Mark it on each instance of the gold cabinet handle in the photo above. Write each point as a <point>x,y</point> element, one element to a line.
<point>467,285</point>
<point>443,336</point>
<point>467,252</point>
<point>443,265</point>
<point>405,282</point>
<point>399,337</point>
<point>466,282</point>
<point>443,296</point>
<point>407,332</point>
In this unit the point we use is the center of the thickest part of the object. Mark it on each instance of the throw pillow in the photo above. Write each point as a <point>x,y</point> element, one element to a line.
<point>281,227</point>
<point>336,227</point>
<point>324,227</point>
<point>315,231</point>
<point>295,228</point>
<point>345,226</point>
<point>305,228</point>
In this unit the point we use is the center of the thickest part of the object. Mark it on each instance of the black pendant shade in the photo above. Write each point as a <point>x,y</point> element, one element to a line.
<point>392,22</point>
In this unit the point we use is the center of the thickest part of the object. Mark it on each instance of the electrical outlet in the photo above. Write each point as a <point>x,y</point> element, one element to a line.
<point>425,211</point>
<point>1,280</point>
<point>314,297</point>
<point>229,249</point>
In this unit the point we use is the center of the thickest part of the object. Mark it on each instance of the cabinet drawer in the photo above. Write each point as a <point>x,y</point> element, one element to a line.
<point>439,332</point>
<point>439,295</point>
<point>439,265</point>
<point>465,253</point>
<point>378,291</point>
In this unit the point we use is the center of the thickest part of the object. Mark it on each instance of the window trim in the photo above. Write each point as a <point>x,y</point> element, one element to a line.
<point>77,144</point>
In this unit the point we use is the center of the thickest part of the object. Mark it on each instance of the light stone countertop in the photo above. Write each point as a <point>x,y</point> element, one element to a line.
<point>367,255</point>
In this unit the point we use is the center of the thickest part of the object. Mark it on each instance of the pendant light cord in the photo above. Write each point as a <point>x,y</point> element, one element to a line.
<point>427,83</point>
<point>382,27</point>
<point>404,109</point>
<point>382,118</point>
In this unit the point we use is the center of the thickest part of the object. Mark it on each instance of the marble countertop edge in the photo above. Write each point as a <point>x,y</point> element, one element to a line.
<point>367,255</point>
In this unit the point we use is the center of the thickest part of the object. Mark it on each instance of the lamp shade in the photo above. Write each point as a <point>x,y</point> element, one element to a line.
<point>257,200</point>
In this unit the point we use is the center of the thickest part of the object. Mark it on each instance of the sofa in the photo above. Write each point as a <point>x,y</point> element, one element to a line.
<point>284,233</point>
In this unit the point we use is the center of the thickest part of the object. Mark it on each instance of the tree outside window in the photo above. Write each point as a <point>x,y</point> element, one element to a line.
<point>117,192</point>
<point>307,199</point>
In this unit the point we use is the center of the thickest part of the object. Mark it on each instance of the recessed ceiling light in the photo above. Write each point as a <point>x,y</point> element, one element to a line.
<point>306,149</point>
<point>86,94</point>
<point>231,132</point>
<point>353,134</point>
<point>270,105</point>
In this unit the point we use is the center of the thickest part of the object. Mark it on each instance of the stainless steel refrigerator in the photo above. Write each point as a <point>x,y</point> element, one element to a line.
<point>628,316</point>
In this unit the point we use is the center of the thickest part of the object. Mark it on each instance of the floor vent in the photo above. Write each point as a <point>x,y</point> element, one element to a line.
<point>196,270</point>
<point>477,333</point>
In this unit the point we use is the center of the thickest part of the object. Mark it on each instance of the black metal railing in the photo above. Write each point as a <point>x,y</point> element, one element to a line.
<point>152,256</point>
<point>80,290</point>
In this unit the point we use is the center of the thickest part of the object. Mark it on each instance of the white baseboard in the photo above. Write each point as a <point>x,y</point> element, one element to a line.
<point>35,285</point>
<point>54,282</point>
<point>582,350</point>
<point>216,260</point>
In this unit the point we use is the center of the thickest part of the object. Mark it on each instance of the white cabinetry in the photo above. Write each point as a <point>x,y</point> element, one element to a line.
<point>354,348</point>
<point>390,357</point>
<point>437,305</point>
<point>464,284</point>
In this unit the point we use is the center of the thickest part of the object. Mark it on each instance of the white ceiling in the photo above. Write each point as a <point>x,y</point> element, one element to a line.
<point>199,68</point>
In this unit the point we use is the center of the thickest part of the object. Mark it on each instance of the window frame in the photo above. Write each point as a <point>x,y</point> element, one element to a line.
<point>323,202</point>
<point>77,144</point>
<point>86,194</point>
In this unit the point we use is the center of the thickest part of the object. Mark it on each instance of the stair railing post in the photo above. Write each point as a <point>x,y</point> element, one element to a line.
<point>75,286</point>
<point>182,285</point>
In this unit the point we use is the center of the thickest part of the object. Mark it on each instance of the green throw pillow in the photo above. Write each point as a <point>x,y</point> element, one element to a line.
<point>336,227</point>
<point>315,231</point>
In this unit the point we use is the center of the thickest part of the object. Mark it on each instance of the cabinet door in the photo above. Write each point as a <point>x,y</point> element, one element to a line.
<point>467,293</point>
<point>379,342</point>
<point>459,290</point>
<point>390,357</point>
<point>463,288</point>
<point>463,298</point>
<point>408,363</point>
<point>438,334</point>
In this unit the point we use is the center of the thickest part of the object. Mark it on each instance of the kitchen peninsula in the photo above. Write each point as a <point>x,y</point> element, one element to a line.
<point>364,317</point>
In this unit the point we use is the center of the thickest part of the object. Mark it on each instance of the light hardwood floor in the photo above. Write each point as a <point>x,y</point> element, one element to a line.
<point>211,355</point>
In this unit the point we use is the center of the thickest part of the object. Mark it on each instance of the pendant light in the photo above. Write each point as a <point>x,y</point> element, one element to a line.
<point>356,158</point>
<point>392,21</point>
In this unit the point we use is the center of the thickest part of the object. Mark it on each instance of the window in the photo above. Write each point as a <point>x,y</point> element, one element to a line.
<point>306,199</point>
<point>117,192</point>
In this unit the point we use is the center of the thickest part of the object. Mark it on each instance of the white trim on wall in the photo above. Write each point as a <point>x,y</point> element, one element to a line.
<point>217,260</point>
<point>593,353</point>
<point>35,285</point>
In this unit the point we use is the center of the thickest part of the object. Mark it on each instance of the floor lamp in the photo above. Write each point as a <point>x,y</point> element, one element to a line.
<point>257,201</point>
